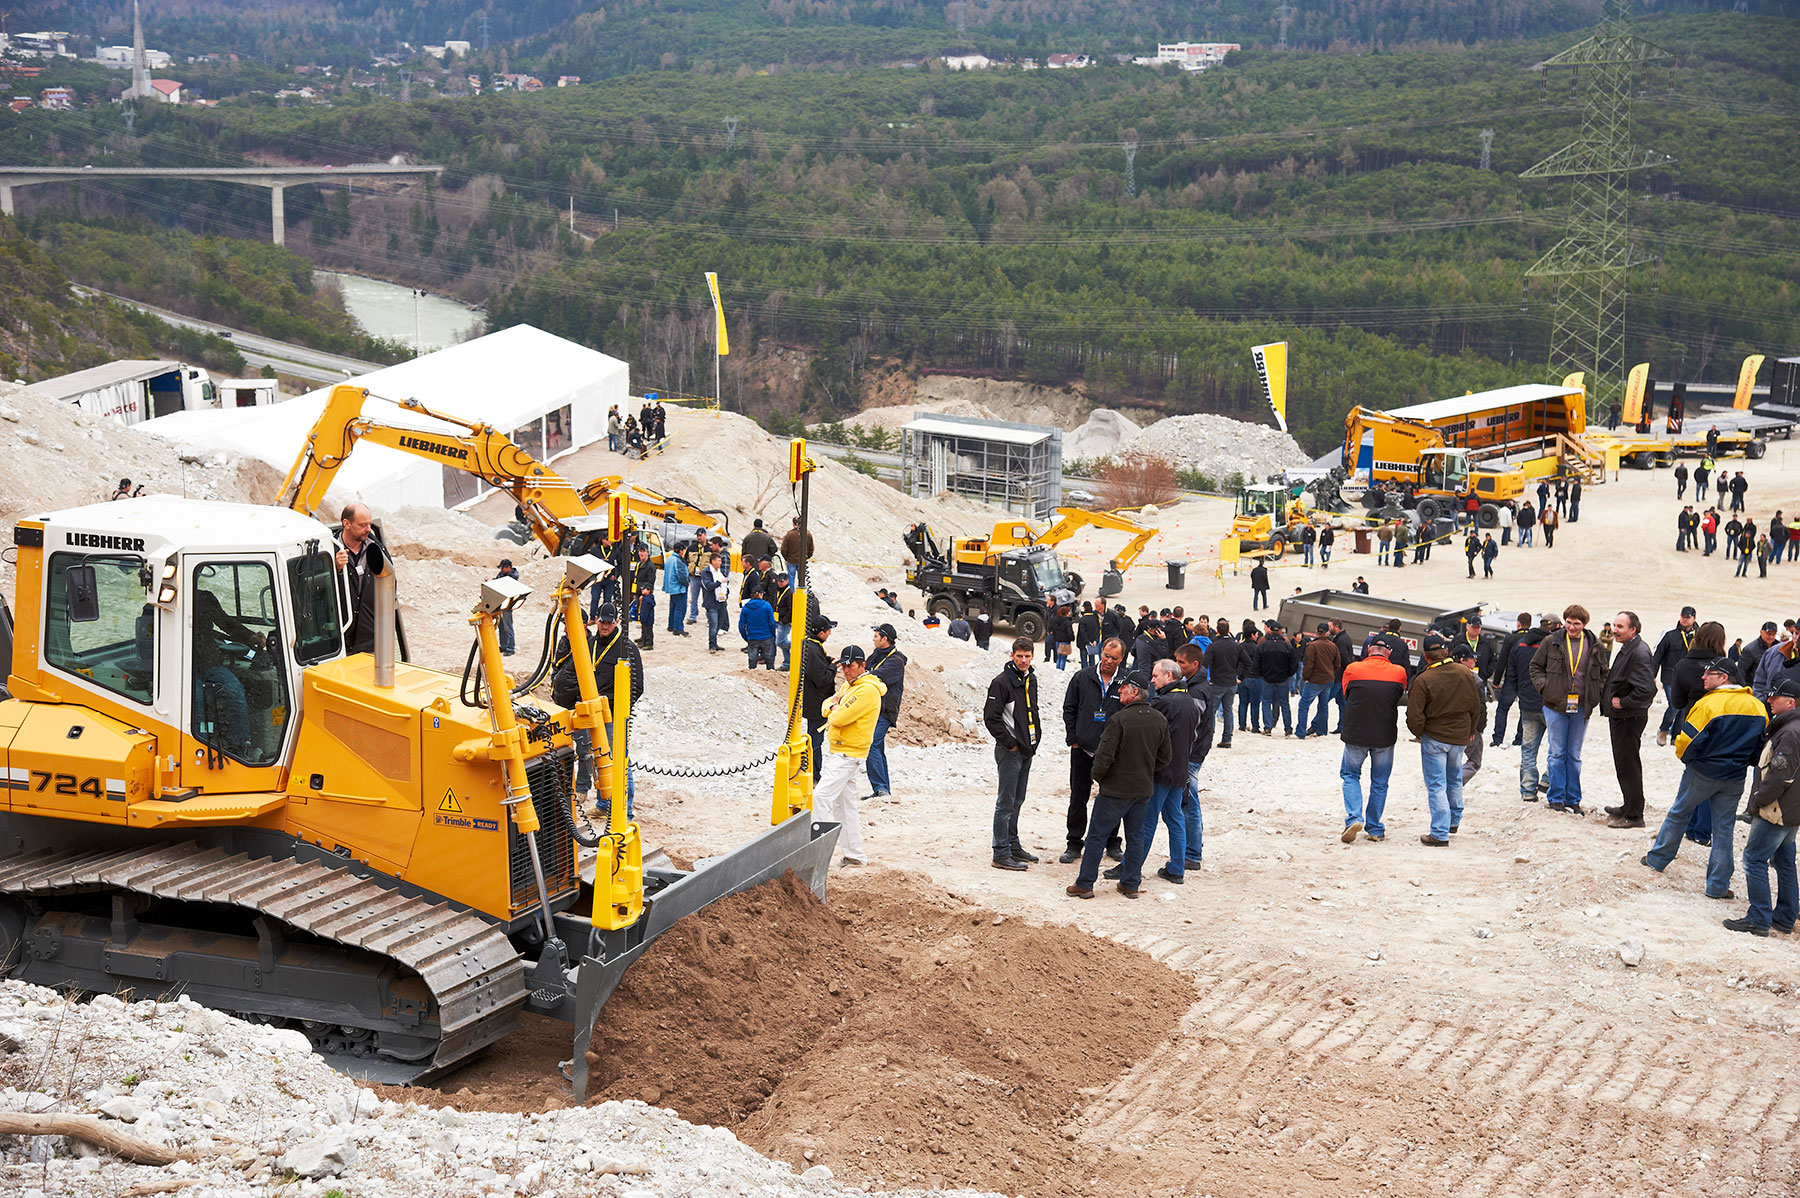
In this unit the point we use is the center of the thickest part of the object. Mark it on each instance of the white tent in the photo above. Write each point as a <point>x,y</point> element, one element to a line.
<point>548,394</point>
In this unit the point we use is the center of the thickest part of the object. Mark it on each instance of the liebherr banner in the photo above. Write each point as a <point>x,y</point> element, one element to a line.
<point>1271,367</point>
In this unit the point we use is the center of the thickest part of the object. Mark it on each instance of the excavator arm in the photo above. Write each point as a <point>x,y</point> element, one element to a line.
<point>553,508</point>
<point>645,502</point>
<point>1070,520</point>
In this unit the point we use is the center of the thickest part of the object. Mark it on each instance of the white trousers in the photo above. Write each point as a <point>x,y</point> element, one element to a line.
<point>834,801</point>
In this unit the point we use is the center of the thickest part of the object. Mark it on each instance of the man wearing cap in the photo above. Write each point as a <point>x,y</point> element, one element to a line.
<point>1193,681</point>
<point>1625,702</point>
<point>1010,715</point>
<point>850,717</point>
<point>1569,674</point>
<point>1775,661</point>
<point>1443,709</point>
<point>609,646</point>
<point>1170,698</point>
<point>1720,737</point>
<point>1317,676</point>
<point>1670,650</point>
<point>1776,804</point>
<point>643,597</point>
<point>1752,655</point>
<point>1275,662</point>
<point>505,624</point>
<point>818,673</point>
<point>888,664</point>
<point>1133,748</point>
<point>756,624</point>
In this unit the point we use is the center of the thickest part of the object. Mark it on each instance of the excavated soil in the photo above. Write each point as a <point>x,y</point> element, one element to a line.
<point>893,1034</point>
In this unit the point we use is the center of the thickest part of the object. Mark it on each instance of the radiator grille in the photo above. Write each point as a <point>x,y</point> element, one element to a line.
<point>549,777</point>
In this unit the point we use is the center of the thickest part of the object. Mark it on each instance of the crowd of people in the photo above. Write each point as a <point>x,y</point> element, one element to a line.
<point>1139,719</point>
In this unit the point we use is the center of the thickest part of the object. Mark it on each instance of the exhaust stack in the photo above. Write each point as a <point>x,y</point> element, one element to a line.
<point>384,624</point>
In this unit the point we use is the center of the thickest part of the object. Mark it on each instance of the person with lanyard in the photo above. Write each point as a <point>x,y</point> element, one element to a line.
<point>1010,714</point>
<point>609,646</point>
<point>360,556</point>
<point>1568,671</point>
<point>1673,646</point>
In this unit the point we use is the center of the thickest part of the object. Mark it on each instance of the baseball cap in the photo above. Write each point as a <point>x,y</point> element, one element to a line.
<point>851,653</point>
<point>1689,612</point>
<point>1788,688</point>
<point>1378,646</point>
<point>1770,626</point>
<point>1137,678</point>
<point>1462,651</point>
<point>1275,624</point>
<point>506,563</point>
<point>1435,640</point>
<point>887,630</point>
<point>1322,626</point>
<point>606,614</point>
<point>1719,665</point>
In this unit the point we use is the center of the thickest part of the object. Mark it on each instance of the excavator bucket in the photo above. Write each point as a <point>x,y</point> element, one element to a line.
<point>799,844</point>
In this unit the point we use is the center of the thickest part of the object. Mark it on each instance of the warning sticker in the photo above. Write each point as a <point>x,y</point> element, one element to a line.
<point>449,802</point>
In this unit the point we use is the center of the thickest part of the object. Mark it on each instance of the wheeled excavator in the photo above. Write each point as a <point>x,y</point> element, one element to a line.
<point>204,794</point>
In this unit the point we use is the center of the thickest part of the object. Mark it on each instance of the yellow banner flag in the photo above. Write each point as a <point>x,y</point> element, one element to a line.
<point>1575,382</point>
<point>712,285</point>
<point>1746,381</point>
<point>1272,368</point>
<point>1634,393</point>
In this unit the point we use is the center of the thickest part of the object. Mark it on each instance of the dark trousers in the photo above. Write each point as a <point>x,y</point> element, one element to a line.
<point>816,734</point>
<point>1627,733</point>
<point>1502,706</point>
<point>1081,789</point>
<point>1109,816</point>
<point>646,614</point>
<point>1015,775</point>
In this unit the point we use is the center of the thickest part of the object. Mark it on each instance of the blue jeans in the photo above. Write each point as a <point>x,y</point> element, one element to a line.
<point>1502,706</point>
<point>1336,695</point>
<point>612,442</point>
<point>1321,723</point>
<point>793,574</point>
<point>1531,735</point>
<point>1566,733</point>
<point>1165,804</point>
<point>694,589</point>
<point>784,637</point>
<point>1277,696</point>
<point>1258,599</point>
<point>677,610</point>
<point>1381,764</point>
<point>504,625</point>
<point>1250,704</point>
<point>1669,712</point>
<point>1770,844</point>
<point>1015,776</point>
<point>1525,537</point>
<point>1442,767</point>
<point>877,759</point>
<point>1308,549</point>
<point>1224,700</point>
<point>1697,788</point>
<point>1190,811</point>
<point>1061,659</point>
<point>1103,825</point>
<point>715,615</point>
<point>761,652</point>
<point>1324,555</point>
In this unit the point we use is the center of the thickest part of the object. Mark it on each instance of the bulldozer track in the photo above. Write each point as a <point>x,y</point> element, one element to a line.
<point>475,976</point>
<point>1550,1101</point>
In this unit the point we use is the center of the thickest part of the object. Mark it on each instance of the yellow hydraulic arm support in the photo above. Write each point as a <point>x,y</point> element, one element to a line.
<point>549,501</point>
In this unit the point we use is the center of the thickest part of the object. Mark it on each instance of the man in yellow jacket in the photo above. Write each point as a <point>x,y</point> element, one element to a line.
<point>850,717</point>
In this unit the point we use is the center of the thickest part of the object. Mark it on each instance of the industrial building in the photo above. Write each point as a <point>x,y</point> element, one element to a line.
<point>1015,466</point>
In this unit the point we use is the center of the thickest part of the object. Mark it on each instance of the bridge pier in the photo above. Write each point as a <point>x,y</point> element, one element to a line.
<point>278,214</point>
<point>6,201</point>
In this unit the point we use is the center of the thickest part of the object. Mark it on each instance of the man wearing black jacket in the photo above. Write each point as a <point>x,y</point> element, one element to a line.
<point>1346,654</point>
<point>1224,669</point>
<point>1092,696</point>
<point>818,681</point>
<point>1670,650</point>
<point>1011,717</point>
<point>888,664</point>
<point>1276,664</point>
<point>1496,676</point>
<point>1169,696</point>
<point>609,646</point>
<point>1625,702</point>
<point>1193,680</point>
<point>1531,705</point>
<point>360,556</point>
<point>1087,635</point>
<point>1133,748</point>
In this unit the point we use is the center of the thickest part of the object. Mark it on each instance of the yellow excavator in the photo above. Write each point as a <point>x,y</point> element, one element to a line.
<point>204,794</point>
<point>972,552</point>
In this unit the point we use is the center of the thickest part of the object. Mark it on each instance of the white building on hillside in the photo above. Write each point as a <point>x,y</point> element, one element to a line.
<point>968,62</point>
<point>1192,56</point>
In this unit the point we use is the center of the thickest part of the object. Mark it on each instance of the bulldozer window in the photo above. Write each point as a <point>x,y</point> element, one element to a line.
<point>317,630</point>
<point>240,683</point>
<point>116,651</point>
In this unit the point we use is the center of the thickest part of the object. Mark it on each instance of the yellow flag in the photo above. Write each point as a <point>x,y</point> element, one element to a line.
<point>1272,368</point>
<point>1575,382</point>
<point>1746,381</point>
<point>1634,393</point>
<point>712,285</point>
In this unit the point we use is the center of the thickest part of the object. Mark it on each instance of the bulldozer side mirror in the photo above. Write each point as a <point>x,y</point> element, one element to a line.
<point>83,594</point>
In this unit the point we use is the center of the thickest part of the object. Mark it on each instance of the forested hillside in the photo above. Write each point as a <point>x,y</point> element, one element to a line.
<point>990,221</point>
<point>47,330</point>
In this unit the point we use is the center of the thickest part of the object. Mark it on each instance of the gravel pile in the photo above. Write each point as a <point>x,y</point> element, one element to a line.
<point>1217,446</point>
<point>255,1112</point>
<point>1099,436</point>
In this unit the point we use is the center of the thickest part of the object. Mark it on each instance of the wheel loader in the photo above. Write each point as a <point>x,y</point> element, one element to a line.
<point>204,794</point>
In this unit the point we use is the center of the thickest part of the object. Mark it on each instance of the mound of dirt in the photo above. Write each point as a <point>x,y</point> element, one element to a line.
<point>897,1036</point>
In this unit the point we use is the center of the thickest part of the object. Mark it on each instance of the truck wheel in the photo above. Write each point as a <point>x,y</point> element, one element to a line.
<point>1429,509</point>
<point>1029,624</point>
<point>947,607</point>
<point>1756,449</point>
<point>1489,515</point>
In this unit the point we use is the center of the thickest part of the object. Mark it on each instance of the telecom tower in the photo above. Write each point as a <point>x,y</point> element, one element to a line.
<point>1130,168</point>
<point>1487,149</point>
<point>1590,264</point>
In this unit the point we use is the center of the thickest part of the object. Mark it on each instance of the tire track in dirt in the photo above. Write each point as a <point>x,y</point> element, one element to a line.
<point>1274,1061</point>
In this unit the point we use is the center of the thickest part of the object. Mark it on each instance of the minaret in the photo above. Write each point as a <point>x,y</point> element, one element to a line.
<point>140,65</point>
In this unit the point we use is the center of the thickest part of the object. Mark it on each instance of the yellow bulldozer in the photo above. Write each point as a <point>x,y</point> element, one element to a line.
<point>205,794</point>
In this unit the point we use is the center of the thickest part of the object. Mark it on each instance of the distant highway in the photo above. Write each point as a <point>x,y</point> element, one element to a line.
<point>286,357</point>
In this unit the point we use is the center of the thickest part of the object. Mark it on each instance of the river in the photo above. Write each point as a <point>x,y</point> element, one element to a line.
<point>387,310</point>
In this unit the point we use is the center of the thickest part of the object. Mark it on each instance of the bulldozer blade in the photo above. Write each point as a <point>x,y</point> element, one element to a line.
<point>798,844</point>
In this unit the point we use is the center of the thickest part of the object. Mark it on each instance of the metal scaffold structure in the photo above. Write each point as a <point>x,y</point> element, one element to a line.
<point>1015,466</point>
<point>1590,264</point>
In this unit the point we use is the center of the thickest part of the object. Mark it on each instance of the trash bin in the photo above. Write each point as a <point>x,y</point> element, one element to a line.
<point>1363,537</point>
<point>1177,576</point>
